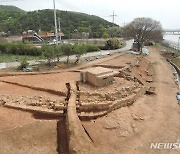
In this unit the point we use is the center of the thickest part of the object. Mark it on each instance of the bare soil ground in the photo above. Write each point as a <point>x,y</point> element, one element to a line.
<point>36,137</point>
<point>48,81</point>
<point>127,130</point>
<point>9,89</point>
<point>121,61</point>
<point>150,119</point>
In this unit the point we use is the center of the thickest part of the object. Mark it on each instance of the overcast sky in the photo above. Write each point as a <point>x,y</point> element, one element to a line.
<point>165,11</point>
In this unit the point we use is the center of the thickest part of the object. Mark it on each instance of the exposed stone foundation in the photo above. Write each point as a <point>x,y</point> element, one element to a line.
<point>91,102</point>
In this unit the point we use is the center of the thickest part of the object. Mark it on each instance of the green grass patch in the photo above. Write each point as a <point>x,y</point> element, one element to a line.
<point>19,58</point>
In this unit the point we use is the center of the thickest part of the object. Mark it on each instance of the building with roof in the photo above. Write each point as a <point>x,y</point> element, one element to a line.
<point>35,38</point>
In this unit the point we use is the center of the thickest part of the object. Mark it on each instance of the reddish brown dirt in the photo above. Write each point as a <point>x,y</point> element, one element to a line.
<point>9,89</point>
<point>127,130</point>
<point>150,119</point>
<point>48,81</point>
<point>121,61</point>
<point>22,132</point>
<point>144,72</point>
<point>38,137</point>
<point>10,118</point>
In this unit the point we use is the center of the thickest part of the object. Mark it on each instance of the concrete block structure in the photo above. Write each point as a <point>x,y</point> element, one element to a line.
<point>98,76</point>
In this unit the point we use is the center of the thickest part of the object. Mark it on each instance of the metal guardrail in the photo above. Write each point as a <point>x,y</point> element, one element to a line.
<point>177,76</point>
<point>174,65</point>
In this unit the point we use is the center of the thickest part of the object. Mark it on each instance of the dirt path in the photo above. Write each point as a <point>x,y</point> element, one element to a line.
<point>165,123</point>
<point>150,119</point>
<point>164,126</point>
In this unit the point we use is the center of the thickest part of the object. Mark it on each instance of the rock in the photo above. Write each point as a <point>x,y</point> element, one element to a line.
<point>135,117</point>
<point>136,130</point>
<point>133,125</point>
<point>141,118</point>
<point>48,100</point>
<point>109,97</point>
<point>40,103</point>
<point>58,107</point>
<point>2,103</point>
<point>40,97</point>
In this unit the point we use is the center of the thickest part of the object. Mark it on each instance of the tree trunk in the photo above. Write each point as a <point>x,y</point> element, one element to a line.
<point>58,58</point>
<point>77,60</point>
<point>49,61</point>
<point>67,60</point>
<point>140,47</point>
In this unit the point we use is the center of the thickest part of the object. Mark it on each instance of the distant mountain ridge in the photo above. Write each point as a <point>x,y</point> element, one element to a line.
<point>10,8</point>
<point>15,21</point>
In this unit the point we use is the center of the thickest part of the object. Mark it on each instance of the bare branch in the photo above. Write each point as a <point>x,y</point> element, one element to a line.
<point>144,29</point>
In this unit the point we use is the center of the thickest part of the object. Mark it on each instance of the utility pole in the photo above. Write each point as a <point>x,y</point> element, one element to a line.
<point>178,43</point>
<point>55,23</point>
<point>59,29</point>
<point>124,23</point>
<point>113,15</point>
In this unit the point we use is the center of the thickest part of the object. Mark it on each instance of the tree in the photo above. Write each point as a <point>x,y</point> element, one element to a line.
<point>67,50</point>
<point>80,49</point>
<point>115,31</point>
<point>48,52</point>
<point>105,35</point>
<point>17,22</point>
<point>143,30</point>
<point>58,52</point>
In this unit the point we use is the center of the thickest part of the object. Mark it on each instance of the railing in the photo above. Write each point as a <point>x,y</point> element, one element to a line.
<point>171,32</point>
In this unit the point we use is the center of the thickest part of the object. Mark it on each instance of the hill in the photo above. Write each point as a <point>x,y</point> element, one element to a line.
<point>72,23</point>
<point>10,8</point>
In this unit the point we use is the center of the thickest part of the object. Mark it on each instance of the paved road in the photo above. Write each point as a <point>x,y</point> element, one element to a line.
<point>91,54</point>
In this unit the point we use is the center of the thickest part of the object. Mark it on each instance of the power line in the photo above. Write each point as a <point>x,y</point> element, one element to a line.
<point>72,7</point>
<point>121,23</point>
<point>10,0</point>
<point>69,5</point>
<point>66,5</point>
<point>75,8</point>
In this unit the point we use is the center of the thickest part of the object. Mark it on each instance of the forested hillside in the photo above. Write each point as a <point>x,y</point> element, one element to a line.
<point>10,8</point>
<point>15,22</point>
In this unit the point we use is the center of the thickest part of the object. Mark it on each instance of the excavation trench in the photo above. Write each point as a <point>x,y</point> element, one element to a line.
<point>72,137</point>
<point>62,140</point>
<point>78,138</point>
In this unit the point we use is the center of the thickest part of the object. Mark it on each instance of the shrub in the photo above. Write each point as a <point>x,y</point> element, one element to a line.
<point>23,64</point>
<point>19,49</point>
<point>92,48</point>
<point>112,44</point>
